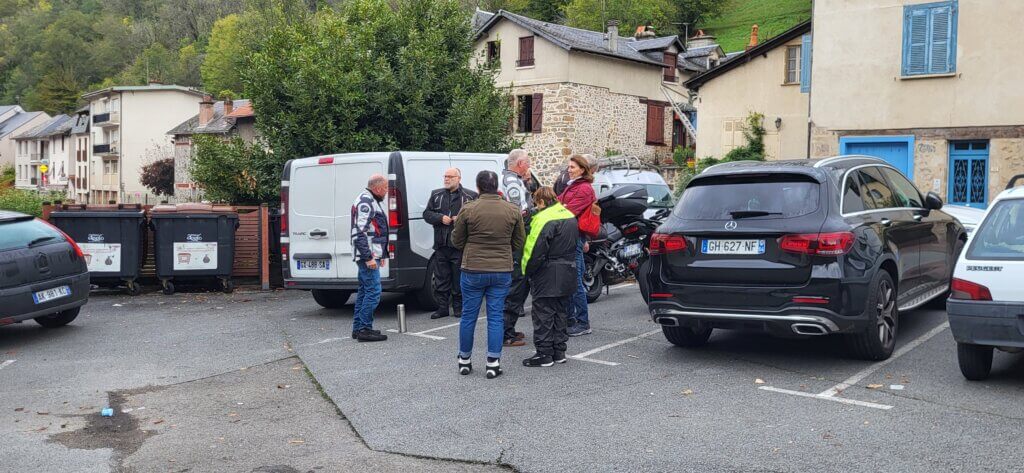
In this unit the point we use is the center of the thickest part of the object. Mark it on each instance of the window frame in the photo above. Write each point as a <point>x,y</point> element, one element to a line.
<point>493,53</point>
<point>909,11</point>
<point>523,60</point>
<point>795,62</point>
<point>864,195</point>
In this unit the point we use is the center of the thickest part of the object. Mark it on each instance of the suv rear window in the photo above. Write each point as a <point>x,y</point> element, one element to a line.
<point>764,197</point>
<point>19,234</point>
<point>1001,235</point>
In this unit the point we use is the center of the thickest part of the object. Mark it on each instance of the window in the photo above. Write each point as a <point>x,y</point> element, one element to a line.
<point>929,38</point>
<point>906,194</point>
<point>852,199</point>
<point>1001,236</point>
<point>805,63</point>
<point>525,52</point>
<point>792,64</point>
<point>670,67</point>
<point>655,124</point>
<point>771,197</point>
<point>21,234</point>
<point>876,192</point>
<point>493,54</point>
<point>530,113</point>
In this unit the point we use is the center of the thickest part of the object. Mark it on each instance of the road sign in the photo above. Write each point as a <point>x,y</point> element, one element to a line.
<point>44,168</point>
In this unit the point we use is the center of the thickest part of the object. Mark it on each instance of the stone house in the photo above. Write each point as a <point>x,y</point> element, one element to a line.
<point>14,121</point>
<point>224,118</point>
<point>770,78</point>
<point>129,130</point>
<point>580,91</point>
<point>47,144</point>
<point>933,87</point>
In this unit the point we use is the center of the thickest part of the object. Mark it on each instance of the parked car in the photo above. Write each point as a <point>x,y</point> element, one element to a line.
<point>801,248</point>
<point>969,217</point>
<point>43,274</point>
<point>316,197</point>
<point>986,303</point>
<point>659,195</point>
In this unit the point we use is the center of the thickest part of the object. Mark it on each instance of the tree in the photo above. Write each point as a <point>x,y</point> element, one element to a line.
<point>594,14</point>
<point>234,171</point>
<point>158,176</point>
<point>373,77</point>
<point>695,12</point>
<point>546,10</point>
<point>224,56</point>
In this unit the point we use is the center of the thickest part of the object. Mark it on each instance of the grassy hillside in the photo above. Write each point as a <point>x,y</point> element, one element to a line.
<point>732,27</point>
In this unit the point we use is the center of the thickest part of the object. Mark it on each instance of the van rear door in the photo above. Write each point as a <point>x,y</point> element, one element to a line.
<point>350,173</point>
<point>311,221</point>
<point>423,172</point>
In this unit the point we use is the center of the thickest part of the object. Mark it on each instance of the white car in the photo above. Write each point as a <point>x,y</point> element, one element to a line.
<point>969,217</point>
<point>659,195</point>
<point>986,302</point>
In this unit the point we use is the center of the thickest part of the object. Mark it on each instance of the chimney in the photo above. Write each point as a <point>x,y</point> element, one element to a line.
<point>701,39</point>
<point>205,110</point>
<point>612,36</point>
<point>644,32</point>
<point>753,38</point>
<point>229,106</point>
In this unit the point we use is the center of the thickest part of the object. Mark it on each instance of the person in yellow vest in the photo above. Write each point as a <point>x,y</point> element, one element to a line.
<point>549,260</point>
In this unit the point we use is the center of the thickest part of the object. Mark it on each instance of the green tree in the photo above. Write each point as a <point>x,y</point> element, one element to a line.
<point>234,171</point>
<point>594,14</point>
<point>225,54</point>
<point>695,12</point>
<point>373,77</point>
<point>546,10</point>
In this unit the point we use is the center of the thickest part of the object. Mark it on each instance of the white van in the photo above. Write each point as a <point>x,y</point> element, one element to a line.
<point>316,205</point>
<point>659,196</point>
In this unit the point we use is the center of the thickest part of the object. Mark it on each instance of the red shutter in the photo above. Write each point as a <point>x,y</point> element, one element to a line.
<point>670,66</point>
<point>538,113</point>
<point>525,51</point>
<point>655,124</point>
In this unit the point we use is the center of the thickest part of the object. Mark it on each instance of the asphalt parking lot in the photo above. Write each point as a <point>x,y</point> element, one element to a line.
<point>626,401</point>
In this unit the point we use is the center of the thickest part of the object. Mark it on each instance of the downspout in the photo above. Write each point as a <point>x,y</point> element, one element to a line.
<point>120,149</point>
<point>810,91</point>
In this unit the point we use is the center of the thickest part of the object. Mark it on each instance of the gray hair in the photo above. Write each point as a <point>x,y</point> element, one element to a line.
<point>376,180</point>
<point>516,156</point>
<point>592,162</point>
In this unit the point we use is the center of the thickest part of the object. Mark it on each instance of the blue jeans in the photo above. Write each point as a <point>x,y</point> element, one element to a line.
<point>578,311</point>
<point>367,297</point>
<point>476,286</point>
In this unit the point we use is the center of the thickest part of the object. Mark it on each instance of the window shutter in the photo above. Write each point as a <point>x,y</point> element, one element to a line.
<point>915,41</point>
<point>525,51</point>
<point>670,66</point>
<point>941,37</point>
<point>655,124</point>
<point>805,64</point>
<point>538,113</point>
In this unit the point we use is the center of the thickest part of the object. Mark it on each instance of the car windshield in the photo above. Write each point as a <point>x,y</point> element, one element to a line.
<point>1001,235</point>
<point>659,196</point>
<point>748,197</point>
<point>22,233</point>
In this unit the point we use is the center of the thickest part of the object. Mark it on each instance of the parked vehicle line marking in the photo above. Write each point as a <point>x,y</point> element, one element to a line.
<point>5,363</point>
<point>625,284</point>
<point>600,362</point>
<point>843,400</point>
<point>329,340</point>
<point>421,335</point>
<point>456,324</point>
<point>613,345</point>
<point>852,380</point>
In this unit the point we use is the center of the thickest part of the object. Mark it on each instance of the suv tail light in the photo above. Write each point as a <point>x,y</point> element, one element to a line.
<point>74,246</point>
<point>970,291</point>
<point>394,205</point>
<point>821,244</point>
<point>663,244</point>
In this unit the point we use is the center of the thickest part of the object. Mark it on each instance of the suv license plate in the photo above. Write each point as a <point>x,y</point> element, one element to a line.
<point>314,264</point>
<point>732,247</point>
<point>51,294</point>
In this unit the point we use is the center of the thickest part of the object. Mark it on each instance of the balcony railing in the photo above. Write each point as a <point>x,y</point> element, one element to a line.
<point>105,149</point>
<point>35,157</point>
<point>106,119</point>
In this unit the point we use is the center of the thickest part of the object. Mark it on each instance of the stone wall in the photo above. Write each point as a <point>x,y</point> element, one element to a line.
<point>584,119</point>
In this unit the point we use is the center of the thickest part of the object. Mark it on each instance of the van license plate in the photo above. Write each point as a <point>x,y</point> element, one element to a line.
<point>314,264</point>
<point>732,247</point>
<point>51,294</point>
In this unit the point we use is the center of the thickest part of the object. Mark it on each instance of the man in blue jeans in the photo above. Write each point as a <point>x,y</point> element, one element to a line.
<point>488,231</point>
<point>370,252</point>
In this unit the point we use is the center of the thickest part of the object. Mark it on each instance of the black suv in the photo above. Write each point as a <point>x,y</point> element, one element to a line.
<point>43,274</point>
<point>801,248</point>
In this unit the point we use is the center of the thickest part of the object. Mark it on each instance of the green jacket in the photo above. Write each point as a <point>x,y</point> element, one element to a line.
<point>549,255</point>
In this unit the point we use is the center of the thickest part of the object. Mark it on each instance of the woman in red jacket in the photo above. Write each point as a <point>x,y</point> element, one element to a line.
<point>578,196</point>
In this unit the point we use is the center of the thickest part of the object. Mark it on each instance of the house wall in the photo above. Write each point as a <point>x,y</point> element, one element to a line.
<point>981,100</point>
<point>551,63</point>
<point>757,86</point>
<point>8,150</point>
<point>621,76</point>
<point>59,155</point>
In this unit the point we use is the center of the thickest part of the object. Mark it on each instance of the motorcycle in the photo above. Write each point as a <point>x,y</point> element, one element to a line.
<point>622,248</point>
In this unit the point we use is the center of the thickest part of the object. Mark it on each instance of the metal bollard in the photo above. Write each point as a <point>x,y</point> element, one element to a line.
<point>401,318</point>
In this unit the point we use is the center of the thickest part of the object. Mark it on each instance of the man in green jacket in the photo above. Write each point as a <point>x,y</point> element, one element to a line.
<point>549,259</point>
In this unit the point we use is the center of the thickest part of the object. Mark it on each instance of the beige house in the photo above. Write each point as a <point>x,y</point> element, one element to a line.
<point>580,91</point>
<point>14,121</point>
<point>767,78</point>
<point>932,87</point>
<point>45,145</point>
<point>129,130</point>
<point>227,118</point>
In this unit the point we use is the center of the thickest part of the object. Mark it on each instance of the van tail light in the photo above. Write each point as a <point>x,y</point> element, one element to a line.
<point>663,244</point>
<point>74,246</point>
<point>820,244</point>
<point>392,249</point>
<point>284,253</point>
<point>970,291</point>
<point>284,223</point>
<point>394,205</point>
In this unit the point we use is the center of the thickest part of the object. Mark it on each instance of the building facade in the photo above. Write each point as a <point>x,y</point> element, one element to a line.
<point>579,91</point>
<point>129,130</point>
<point>14,121</point>
<point>42,159</point>
<point>226,119</point>
<point>934,89</point>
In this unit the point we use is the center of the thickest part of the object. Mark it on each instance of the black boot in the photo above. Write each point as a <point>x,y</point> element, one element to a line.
<point>367,335</point>
<point>493,368</point>
<point>440,313</point>
<point>558,357</point>
<point>538,360</point>
<point>465,366</point>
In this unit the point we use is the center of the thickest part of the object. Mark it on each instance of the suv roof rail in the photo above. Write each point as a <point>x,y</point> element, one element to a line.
<point>1013,181</point>
<point>730,162</point>
<point>825,161</point>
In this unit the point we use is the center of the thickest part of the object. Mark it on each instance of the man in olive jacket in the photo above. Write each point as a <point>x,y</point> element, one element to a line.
<point>549,259</point>
<point>488,231</point>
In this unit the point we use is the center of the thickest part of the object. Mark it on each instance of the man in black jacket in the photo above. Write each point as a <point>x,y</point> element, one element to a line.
<point>443,208</point>
<point>549,259</point>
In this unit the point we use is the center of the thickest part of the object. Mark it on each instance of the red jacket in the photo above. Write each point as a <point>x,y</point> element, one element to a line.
<point>579,196</point>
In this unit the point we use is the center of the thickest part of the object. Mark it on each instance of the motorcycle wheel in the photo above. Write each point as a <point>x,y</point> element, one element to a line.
<point>594,285</point>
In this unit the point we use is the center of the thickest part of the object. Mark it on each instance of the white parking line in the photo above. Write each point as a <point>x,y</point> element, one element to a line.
<point>421,335</point>
<point>625,284</point>
<point>583,356</point>
<point>5,363</point>
<point>827,398</point>
<point>456,324</point>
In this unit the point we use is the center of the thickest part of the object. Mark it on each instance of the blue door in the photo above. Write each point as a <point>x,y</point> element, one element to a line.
<point>968,173</point>
<point>896,153</point>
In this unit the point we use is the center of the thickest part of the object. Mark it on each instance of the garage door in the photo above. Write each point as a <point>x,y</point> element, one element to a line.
<point>895,153</point>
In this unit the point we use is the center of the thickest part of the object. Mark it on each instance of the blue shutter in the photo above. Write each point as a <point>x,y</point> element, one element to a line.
<point>915,41</point>
<point>805,64</point>
<point>929,38</point>
<point>942,48</point>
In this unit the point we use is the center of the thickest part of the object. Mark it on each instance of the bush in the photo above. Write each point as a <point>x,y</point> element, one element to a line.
<point>7,177</point>
<point>26,202</point>
<point>234,171</point>
<point>682,155</point>
<point>158,176</point>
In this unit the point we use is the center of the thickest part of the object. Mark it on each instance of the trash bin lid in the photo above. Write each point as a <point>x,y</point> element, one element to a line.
<point>191,209</point>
